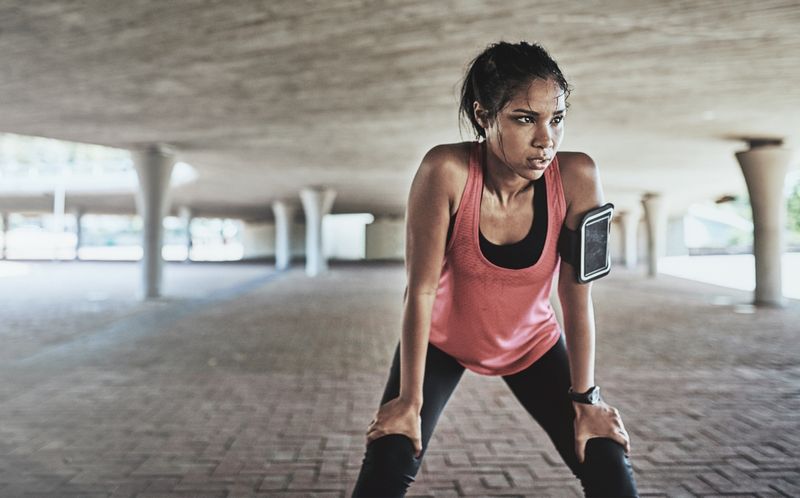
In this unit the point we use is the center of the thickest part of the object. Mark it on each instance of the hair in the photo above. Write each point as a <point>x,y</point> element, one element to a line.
<point>499,72</point>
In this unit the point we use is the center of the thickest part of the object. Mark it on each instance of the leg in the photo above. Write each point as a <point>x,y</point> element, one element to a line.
<point>389,465</point>
<point>542,390</point>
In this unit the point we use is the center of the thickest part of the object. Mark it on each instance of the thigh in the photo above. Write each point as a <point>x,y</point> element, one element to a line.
<point>389,465</point>
<point>542,390</point>
<point>442,374</point>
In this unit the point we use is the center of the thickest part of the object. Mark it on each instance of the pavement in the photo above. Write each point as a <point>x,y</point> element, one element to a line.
<point>247,382</point>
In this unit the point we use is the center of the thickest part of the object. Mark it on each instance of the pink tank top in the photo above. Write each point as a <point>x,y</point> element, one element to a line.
<point>495,320</point>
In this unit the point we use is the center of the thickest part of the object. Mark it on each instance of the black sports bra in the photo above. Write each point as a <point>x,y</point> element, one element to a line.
<point>525,252</point>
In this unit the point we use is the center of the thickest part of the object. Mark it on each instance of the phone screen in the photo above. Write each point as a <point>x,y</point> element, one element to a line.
<point>596,245</point>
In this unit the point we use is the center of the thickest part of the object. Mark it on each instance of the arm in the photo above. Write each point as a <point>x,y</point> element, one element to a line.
<point>427,218</point>
<point>585,192</point>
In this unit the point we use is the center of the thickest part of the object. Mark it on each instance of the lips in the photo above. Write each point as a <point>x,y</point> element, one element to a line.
<point>539,162</point>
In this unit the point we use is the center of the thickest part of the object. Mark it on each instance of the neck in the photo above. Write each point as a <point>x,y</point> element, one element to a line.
<point>501,181</point>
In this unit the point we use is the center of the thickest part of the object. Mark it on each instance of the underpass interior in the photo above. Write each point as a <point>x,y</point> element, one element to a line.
<point>149,378</point>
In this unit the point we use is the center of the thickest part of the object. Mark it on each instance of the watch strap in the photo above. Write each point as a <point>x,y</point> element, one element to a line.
<point>590,397</point>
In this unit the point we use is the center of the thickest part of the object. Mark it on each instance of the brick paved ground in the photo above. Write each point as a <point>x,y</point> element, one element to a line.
<point>245,383</point>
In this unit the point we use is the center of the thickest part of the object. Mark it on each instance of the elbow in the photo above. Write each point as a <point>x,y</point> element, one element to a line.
<point>421,292</point>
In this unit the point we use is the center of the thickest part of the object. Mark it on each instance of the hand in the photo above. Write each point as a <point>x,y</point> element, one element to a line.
<point>397,417</point>
<point>599,420</point>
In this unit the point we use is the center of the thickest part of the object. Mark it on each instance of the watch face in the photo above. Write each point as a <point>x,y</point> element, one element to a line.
<point>594,395</point>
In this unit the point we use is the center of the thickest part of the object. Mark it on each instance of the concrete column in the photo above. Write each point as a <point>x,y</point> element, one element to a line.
<point>186,215</point>
<point>154,167</point>
<point>59,209</point>
<point>78,213</point>
<point>629,223</point>
<point>764,167</point>
<point>284,214</point>
<point>316,204</point>
<point>655,214</point>
<point>4,218</point>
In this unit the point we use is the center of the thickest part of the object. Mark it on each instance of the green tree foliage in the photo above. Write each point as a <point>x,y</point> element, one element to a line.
<point>793,209</point>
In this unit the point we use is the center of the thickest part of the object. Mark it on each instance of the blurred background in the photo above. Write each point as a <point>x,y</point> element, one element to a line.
<point>203,234</point>
<point>704,242</point>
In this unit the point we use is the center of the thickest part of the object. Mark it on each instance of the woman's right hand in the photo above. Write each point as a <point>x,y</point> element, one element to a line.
<point>397,417</point>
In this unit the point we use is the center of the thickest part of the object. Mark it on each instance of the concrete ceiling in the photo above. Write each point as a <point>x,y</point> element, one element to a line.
<point>264,98</point>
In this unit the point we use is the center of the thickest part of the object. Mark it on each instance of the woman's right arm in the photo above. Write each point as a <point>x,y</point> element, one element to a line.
<point>427,219</point>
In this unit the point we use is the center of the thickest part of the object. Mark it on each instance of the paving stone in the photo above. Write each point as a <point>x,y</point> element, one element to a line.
<point>120,399</point>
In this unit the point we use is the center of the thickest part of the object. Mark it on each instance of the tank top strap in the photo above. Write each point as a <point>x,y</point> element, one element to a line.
<point>469,197</point>
<point>476,187</point>
<point>555,194</point>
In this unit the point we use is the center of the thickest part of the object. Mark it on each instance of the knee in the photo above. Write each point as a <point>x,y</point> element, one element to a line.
<point>389,467</point>
<point>395,451</point>
<point>606,470</point>
<point>603,451</point>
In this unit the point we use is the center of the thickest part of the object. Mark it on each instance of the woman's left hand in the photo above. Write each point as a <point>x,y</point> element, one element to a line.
<point>600,420</point>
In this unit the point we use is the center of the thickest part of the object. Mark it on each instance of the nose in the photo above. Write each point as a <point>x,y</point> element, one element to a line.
<point>542,138</point>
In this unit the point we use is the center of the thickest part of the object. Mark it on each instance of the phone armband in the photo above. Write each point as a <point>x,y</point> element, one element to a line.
<point>586,248</point>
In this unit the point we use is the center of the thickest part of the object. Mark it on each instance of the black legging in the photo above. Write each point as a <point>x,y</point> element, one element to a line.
<point>389,465</point>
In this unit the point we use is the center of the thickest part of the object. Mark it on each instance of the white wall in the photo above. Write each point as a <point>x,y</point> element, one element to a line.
<point>676,240</point>
<point>386,238</point>
<point>258,239</point>
<point>344,235</point>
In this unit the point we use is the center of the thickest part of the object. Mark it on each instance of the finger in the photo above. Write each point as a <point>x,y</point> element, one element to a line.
<point>374,434</point>
<point>622,439</point>
<point>580,447</point>
<point>417,448</point>
<point>627,442</point>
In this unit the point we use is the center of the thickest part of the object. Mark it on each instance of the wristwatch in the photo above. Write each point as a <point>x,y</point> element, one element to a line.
<point>590,397</point>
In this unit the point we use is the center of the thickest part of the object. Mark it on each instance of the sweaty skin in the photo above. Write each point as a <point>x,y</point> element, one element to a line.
<point>522,140</point>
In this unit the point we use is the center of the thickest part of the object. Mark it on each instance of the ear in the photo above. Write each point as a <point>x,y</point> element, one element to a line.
<point>480,115</point>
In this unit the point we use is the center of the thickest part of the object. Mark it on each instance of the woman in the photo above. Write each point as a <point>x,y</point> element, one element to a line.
<point>478,286</point>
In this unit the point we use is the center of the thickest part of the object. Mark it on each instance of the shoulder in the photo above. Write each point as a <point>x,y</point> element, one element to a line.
<point>447,158</point>
<point>577,166</point>
<point>580,179</point>
<point>448,166</point>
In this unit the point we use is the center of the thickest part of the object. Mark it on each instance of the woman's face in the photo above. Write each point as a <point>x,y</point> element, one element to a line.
<point>526,133</point>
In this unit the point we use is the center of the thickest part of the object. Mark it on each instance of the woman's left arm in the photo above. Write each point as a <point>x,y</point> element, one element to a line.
<point>583,192</point>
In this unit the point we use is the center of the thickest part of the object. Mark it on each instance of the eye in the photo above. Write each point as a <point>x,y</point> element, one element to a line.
<point>558,119</point>
<point>525,119</point>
